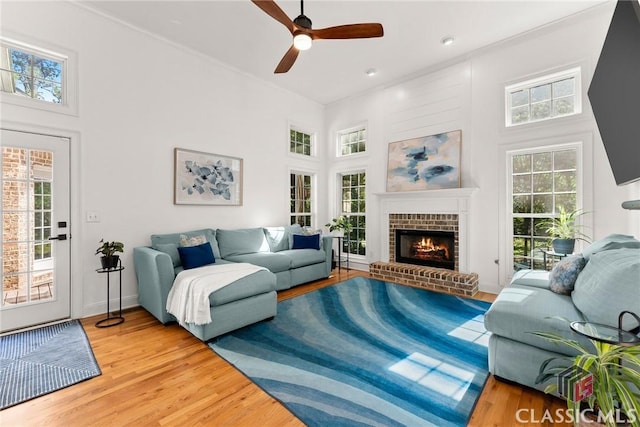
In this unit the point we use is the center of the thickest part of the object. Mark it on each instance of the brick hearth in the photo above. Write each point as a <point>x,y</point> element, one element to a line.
<point>435,279</point>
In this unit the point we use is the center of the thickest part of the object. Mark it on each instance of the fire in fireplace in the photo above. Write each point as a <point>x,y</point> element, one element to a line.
<point>426,247</point>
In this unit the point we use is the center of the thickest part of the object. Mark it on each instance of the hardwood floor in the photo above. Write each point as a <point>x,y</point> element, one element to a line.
<point>156,375</point>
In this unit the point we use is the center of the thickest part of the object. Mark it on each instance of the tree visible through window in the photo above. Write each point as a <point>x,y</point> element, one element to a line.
<point>300,197</point>
<point>541,183</point>
<point>352,141</point>
<point>31,75</point>
<point>544,98</point>
<point>354,208</point>
<point>300,142</point>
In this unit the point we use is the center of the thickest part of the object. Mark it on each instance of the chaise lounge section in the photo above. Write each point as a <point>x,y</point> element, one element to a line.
<point>245,301</point>
<point>608,284</point>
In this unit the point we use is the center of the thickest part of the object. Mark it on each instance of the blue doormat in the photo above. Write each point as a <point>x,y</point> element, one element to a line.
<point>367,352</point>
<point>40,361</point>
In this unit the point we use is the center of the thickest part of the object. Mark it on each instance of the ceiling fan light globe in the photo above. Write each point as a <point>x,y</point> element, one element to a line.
<point>302,41</point>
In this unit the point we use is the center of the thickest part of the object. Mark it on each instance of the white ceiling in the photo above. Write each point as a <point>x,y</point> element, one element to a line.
<point>239,34</point>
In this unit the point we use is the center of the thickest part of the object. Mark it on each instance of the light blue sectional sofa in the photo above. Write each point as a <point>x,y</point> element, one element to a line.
<point>608,284</point>
<point>245,301</point>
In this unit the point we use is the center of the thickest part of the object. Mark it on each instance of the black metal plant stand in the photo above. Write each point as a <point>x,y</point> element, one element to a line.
<point>112,320</point>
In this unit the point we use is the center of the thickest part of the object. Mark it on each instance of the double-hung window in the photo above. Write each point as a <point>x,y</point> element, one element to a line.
<point>300,190</point>
<point>353,206</point>
<point>541,182</point>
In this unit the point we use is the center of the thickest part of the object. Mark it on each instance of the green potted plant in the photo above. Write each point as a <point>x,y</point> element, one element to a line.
<point>615,371</point>
<point>565,229</point>
<point>108,250</point>
<point>339,226</point>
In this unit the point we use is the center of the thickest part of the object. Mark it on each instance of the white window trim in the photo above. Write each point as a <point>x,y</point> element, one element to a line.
<point>314,194</point>
<point>69,60</point>
<point>584,188</point>
<point>314,140</point>
<point>575,72</point>
<point>338,147</point>
<point>338,211</point>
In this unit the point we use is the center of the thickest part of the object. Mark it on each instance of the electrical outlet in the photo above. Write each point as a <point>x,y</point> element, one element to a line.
<point>93,216</point>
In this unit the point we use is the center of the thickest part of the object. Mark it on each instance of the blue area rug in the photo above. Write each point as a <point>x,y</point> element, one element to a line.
<point>366,352</point>
<point>37,362</point>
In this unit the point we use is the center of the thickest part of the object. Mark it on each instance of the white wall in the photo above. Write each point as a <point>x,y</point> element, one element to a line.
<point>139,97</point>
<point>469,95</point>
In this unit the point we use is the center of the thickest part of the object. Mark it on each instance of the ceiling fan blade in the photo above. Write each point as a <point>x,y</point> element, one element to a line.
<point>273,10</point>
<point>352,31</point>
<point>287,60</point>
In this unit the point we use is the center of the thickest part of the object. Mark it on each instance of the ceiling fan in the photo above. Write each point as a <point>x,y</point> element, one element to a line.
<point>303,34</point>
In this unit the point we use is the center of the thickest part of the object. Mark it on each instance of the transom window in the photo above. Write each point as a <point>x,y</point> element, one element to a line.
<point>300,199</point>
<point>353,203</point>
<point>541,183</point>
<point>32,74</point>
<point>544,98</point>
<point>352,141</point>
<point>300,142</point>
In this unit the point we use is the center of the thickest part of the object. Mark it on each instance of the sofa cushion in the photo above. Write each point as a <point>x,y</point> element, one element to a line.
<point>536,278</point>
<point>608,285</point>
<point>241,241</point>
<point>196,256</point>
<point>174,238</point>
<point>302,241</point>
<point>257,283</point>
<point>304,257</point>
<point>612,241</point>
<point>170,249</point>
<point>520,310</point>
<point>564,274</point>
<point>278,237</point>
<point>275,262</point>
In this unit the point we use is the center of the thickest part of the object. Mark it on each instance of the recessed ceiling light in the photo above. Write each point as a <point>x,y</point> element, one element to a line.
<point>371,72</point>
<point>447,41</point>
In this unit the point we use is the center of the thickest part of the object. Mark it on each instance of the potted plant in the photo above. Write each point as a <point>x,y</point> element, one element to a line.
<point>615,371</point>
<point>565,230</point>
<point>108,250</point>
<point>339,226</point>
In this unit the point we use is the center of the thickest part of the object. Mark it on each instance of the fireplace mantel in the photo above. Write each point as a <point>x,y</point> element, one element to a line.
<point>446,201</point>
<point>429,194</point>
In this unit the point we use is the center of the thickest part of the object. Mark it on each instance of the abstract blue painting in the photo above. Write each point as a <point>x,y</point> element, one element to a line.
<point>207,179</point>
<point>425,163</point>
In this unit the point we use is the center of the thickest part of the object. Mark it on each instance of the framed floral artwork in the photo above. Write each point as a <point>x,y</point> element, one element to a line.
<point>206,179</point>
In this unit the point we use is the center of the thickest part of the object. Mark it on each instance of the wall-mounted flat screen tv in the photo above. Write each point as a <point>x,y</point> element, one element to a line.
<point>615,92</point>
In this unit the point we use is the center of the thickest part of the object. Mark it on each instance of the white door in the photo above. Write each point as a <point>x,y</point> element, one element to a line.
<point>35,247</point>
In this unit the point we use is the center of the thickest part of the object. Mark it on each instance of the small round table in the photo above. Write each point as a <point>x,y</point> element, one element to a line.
<point>605,333</point>
<point>111,320</point>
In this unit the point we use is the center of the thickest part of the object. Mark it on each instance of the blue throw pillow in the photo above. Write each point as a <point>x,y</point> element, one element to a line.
<point>196,256</point>
<point>564,275</point>
<point>301,241</point>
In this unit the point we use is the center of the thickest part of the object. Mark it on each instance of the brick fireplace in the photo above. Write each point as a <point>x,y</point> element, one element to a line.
<point>423,222</point>
<point>441,212</point>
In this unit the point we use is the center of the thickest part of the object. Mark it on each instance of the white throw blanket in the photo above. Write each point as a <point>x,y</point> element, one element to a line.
<point>188,299</point>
